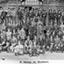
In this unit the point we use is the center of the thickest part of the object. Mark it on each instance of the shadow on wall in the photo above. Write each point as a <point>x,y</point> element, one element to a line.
<point>3,1</point>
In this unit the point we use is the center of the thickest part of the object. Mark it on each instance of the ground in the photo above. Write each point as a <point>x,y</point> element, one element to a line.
<point>46,56</point>
<point>9,58</point>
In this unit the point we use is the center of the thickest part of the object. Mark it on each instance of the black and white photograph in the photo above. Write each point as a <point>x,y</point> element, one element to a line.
<point>31,31</point>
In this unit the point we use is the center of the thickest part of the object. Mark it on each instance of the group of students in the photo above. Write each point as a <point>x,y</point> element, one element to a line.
<point>32,31</point>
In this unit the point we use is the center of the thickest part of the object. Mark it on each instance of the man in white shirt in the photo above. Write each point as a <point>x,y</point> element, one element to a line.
<point>22,33</point>
<point>8,34</point>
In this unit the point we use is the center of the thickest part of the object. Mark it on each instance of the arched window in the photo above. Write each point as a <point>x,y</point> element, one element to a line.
<point>22,1</point>
<point>43,1</point>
